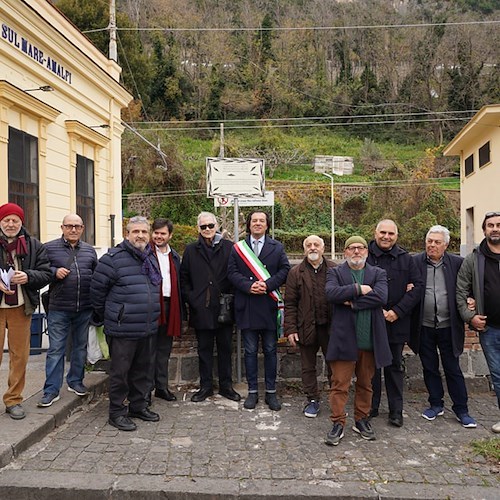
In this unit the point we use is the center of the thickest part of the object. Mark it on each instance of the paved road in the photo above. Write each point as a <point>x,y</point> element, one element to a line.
<point>216,449</point>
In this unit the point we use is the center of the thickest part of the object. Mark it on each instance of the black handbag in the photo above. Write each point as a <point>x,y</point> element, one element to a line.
<point>226,311</point>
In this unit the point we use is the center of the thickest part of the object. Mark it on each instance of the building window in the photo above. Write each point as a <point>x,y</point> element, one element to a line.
<point>23,176</point>
<point>469,165</point>
<point>484,154</point>
<point>85,203</point>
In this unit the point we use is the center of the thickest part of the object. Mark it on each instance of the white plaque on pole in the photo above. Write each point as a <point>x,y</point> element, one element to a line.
<point>226,201</point>
<point>235,177</point>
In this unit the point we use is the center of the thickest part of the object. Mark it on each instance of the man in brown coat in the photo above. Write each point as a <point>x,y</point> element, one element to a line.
<point>307,315</point>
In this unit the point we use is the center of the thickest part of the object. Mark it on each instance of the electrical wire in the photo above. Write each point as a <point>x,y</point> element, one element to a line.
<point>303,28</point>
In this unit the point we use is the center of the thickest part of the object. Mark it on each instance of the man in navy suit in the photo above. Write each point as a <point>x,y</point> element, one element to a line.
<point>257,267</point>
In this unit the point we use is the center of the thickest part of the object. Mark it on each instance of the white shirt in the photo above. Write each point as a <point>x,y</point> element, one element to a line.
<point>164,261</point>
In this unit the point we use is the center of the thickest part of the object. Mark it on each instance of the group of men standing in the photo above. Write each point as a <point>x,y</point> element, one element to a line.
<point>360,314</point>
<point>382,298</point>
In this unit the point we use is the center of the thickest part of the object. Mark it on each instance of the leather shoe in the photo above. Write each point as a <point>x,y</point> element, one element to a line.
<point>230,393</point>
<point>165,394</point>
<point>201,395</point>
<point>145,414</point>
<point>122,423</point>
<point>396,418</point>
<point>272,401</point>
<point>251,401</point>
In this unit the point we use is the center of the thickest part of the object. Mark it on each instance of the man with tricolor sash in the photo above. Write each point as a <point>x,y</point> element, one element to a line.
<point>257,267</point>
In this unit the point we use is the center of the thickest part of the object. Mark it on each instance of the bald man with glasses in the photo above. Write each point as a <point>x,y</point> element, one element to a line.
<point>72,263</point>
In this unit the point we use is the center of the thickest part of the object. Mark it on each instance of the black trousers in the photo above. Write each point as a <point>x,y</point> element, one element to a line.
<point>222,337</point>
<point>130,374</point>
<point>394,381</point>
<point>162,347</point>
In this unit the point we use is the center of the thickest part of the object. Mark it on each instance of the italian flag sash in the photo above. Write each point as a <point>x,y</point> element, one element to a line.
<point>262,274</point>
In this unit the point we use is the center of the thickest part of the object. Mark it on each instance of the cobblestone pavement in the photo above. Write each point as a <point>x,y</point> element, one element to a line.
<point>218,449</point>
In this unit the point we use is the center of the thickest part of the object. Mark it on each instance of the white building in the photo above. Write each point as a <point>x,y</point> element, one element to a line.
<point>478,145</point>
<point>60,124</point>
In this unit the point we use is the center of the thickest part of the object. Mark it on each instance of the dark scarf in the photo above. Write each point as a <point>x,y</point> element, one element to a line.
<point>486,251</point>
<point>20,249</point>
<point>147,257</point>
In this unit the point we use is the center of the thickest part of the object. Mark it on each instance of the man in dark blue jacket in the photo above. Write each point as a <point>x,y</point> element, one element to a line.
<point>125,291</point>
<point>436,324</point>
<point>405,286</point>
<point>257,268</point>
<point>72,263</point>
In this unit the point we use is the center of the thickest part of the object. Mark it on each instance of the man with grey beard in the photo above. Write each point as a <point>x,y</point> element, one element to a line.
<point>125,290</point>
<point>308,314</point>
<point>358,336</point>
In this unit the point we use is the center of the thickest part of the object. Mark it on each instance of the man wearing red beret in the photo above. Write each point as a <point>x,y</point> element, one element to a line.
<point>26,259</point>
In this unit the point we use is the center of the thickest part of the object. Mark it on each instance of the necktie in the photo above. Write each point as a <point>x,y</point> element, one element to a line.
<point>256,247</point>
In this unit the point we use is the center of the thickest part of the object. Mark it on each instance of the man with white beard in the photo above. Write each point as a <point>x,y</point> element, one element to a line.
<point>307,315</point>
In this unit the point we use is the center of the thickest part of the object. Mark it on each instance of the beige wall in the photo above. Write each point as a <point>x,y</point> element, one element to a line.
<point>86,93</point>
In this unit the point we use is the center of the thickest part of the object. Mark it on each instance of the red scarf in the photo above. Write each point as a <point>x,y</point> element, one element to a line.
<point>174,321</point>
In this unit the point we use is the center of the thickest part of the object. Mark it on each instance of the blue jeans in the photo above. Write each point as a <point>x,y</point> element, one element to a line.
<point>60,325</point>
<point>430,341</point>
<point>251,344</point>
<point>490,342</point>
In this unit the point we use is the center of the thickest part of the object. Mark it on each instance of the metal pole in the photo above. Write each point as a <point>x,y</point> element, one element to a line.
<point>238,331</point>
<point>332,202</point>
<point>112,219</point>
<point>221,147</point>
<point>113,52</point>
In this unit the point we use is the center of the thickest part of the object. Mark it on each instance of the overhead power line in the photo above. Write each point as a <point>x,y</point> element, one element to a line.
<point>300,118</point>
<point>306,125</point>
<point>304,28</point>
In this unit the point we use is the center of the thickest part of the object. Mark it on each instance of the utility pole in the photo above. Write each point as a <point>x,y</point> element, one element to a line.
<point>113,52</point>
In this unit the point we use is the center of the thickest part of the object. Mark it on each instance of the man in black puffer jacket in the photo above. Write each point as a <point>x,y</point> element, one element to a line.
<point>72,263</point>
<point>125,292</point>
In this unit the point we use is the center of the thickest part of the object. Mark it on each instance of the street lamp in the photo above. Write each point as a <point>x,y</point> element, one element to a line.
<point>332,203</point>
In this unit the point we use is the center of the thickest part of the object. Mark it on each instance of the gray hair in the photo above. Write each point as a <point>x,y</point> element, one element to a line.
<point>387,221</point>
<point>314,236</point>
<point>138,219</point>
<point>206,214</point>
<point>440,229</point>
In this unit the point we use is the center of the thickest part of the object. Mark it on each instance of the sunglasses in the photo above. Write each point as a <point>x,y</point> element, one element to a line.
<point>206,226</point>
<point>487,215</point>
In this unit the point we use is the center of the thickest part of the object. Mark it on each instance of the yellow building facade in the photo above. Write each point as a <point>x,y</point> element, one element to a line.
<point>478,145</point>
<point>60,123</point>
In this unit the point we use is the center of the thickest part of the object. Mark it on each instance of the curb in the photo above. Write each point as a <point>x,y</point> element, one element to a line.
<point>17,436</point>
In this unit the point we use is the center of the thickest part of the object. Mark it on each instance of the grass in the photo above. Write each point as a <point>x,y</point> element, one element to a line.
<point>488,448</point>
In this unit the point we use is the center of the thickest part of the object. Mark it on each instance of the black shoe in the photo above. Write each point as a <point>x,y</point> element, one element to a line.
<point>165,394</point>
<point>373,413</point>
<point>122,423</point>
<point>335,435</point>
<point>201,395</point>
<point>251,401</point>
<point>145,414</point>
<point>230,393</point>
<point>396,418</point>
<point>364,429</point>
<point>272,401</point>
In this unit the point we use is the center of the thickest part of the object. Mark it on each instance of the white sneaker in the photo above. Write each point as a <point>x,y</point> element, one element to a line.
<point>496,427</point>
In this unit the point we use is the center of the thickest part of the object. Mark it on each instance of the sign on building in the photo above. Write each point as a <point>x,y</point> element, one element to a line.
<point>235,177</point>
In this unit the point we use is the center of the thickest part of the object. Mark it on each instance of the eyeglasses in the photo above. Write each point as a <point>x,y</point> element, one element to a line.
<point>356,249</point>
<point>206,226</point>
<point>77,227</point>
